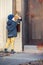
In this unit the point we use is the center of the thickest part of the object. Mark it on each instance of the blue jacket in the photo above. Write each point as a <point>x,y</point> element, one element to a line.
<point>12,26</point>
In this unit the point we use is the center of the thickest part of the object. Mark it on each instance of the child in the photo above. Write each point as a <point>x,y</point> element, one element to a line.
<point>12,31</point>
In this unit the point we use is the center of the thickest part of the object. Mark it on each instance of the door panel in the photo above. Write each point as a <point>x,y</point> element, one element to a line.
<point>33,21</point>
<point>37,20</point>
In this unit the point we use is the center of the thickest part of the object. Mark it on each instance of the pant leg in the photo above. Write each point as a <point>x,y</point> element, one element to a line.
<point>8,43</point>
<point>12,42</point>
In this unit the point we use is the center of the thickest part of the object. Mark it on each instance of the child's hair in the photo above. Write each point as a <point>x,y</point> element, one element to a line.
<point>16,16</point>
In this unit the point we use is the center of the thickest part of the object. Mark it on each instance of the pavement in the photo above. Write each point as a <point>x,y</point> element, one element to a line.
<point>30,53</point>
<point>19,58</point>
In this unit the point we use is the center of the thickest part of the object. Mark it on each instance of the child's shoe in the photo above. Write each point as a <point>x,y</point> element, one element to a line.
<point>5,51</point>
<point>12,51</point>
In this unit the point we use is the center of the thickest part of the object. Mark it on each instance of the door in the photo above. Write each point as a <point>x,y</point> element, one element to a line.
<point>33,20</point>
<point>36,21</point>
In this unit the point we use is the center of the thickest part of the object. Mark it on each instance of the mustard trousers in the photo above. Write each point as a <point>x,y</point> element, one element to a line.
<point>10,41</point>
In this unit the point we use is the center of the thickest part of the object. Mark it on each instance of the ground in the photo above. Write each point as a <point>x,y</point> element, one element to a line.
<point>20,58</point>
<point>30,53</point>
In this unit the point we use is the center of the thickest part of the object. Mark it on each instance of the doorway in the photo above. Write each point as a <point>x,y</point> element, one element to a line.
<point>32,27</point>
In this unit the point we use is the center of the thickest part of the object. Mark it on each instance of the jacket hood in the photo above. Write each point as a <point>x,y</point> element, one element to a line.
<point>10,16</point>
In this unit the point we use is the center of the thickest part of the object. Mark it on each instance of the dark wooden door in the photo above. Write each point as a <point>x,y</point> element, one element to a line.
<point>36,19</point>
<point>33,20</point>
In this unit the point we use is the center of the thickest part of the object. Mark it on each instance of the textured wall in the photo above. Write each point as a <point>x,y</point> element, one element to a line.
<point>5,9</point>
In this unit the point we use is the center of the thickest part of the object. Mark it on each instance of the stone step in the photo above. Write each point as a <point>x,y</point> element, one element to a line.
<point>32,49</point>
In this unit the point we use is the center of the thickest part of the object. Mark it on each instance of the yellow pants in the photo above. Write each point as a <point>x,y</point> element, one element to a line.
<point>10,41</point>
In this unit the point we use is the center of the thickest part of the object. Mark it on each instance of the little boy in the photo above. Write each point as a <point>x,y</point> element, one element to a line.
<point>12,31</point>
